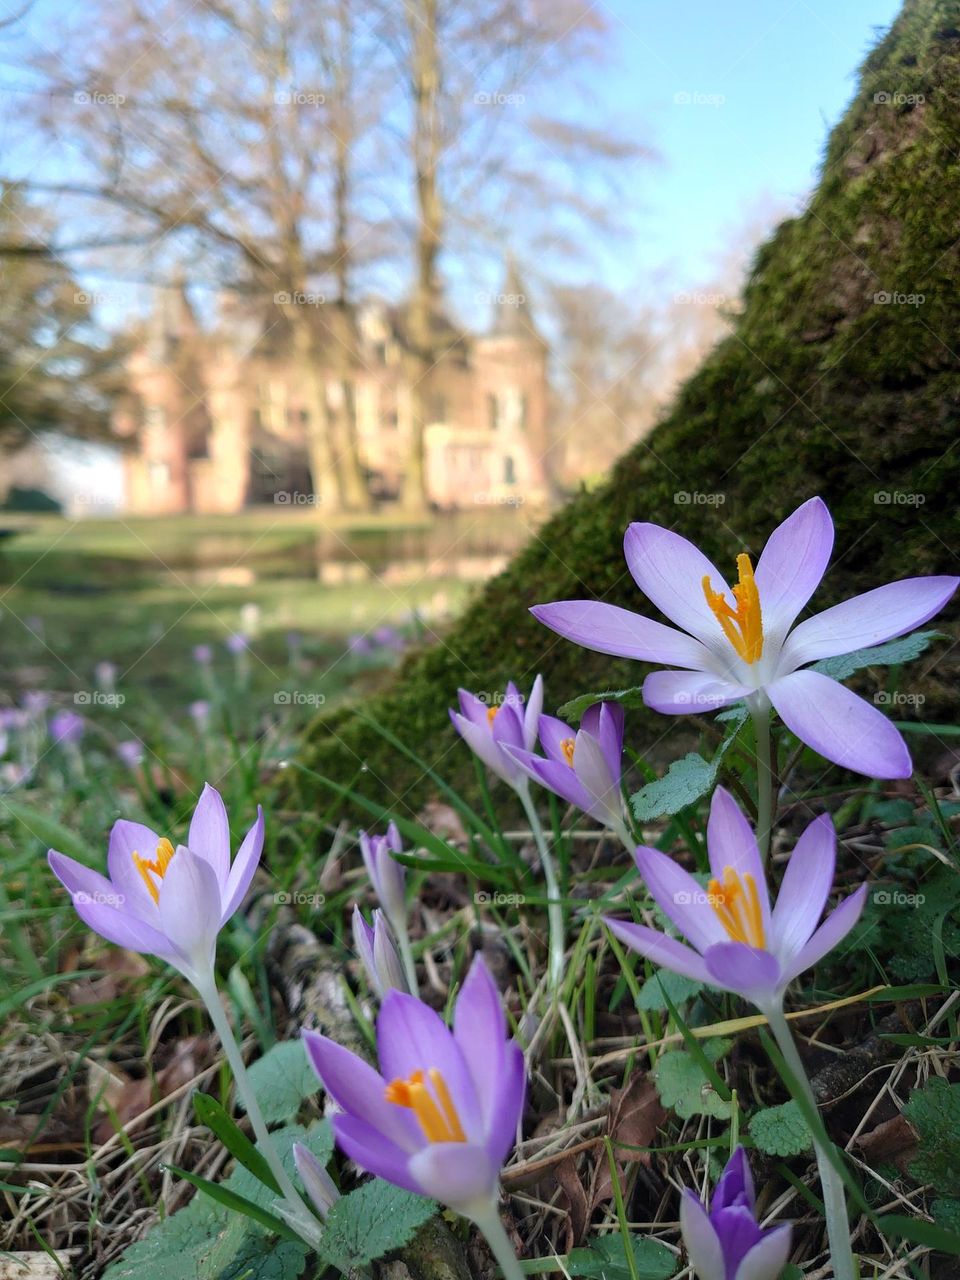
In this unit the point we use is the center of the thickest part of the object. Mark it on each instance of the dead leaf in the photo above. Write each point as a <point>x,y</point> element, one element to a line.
<point>189,1058</point>
<point>443,821</point>
<point>892,1140</point>
<point>120,970</point>
<point>578,1205</point>
<point>634,1117</point>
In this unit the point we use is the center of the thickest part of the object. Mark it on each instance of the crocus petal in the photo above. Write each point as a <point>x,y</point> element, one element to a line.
<point>126,839</point>
<point>506,727</point>
<point>680,898</point>
<point>480,1031</point>
<point>748,971</point>
<point>670,571</point>
<point>412,1037</point>
<point>95,902</point>
<point>868,619</point>
<point>356,1087</point>
<point>805,887</point>
<point>606,628</point>
<point>833,930</point>
<point>731,843</point>
<point>766,1259</point>
<point>791,566</point>
<point>480,741</point>
<point>839,725</point>
<point>689,693</point>
<point>508,1105</point>
<point>209,834</point>
<point>190,908</point>
<point>472,708</point>
<point>592,769</point>
<point>738,1232</point>
<point>363,945</point>
<point>553,733</point>
<point>460,1175</point>
<point>373,1152</point>
<point>735,1184</point>
<point>701,1241</point>
<point>244,868</point>
<point>531,714</point>
<point>556,776</point>
<point>604,721</point>
<point>660,949</point>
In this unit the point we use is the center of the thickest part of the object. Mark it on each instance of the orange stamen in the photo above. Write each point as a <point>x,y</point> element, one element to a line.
<point>437,1116</point>
<point>736,902</point>
<point>158,867</point>
<point>492,714</point>
<point>743,625</point>
<point>567,746</point>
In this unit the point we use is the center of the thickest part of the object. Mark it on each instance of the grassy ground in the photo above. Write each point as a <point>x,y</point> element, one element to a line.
<point>102,1050</point>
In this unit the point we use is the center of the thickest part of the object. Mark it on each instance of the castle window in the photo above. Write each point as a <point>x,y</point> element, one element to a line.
<point>493,411</point>
<point>509,470</point>
<point>438,407</point>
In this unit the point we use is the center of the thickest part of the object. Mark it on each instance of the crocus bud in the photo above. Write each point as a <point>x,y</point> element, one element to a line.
<point>377,948</point>
<point>318,1184</point>
<point>726,1242</point>
<point>387,876</point>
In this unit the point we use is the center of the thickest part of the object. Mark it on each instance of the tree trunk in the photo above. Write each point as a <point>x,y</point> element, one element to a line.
<point>326,482</point>
<point>425,83</point>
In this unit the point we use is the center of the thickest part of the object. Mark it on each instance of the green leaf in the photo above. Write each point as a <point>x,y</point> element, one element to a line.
<point>209,1112</point>
<point>946,1214</point>
<point>370,1222</point>
<point>683,1085</point>
<point>574,709</point>
<point>606,1259</point>
<point>224,1194</point>
<point>684,783</point>
<point>49,832</point>
<point>920,1232</point>
<point>781,1131</point>
<point>281,1079</point>
<point>678,988</point>
<point>891,654</point>
<point>934,1112</point>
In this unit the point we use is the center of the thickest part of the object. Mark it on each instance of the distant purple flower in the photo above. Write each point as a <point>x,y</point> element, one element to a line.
<point>727,1243</point>
<point>388,638</point>
<point>200,713</point>
<point>202,655</point>
<point>237,643</point>
<point>36,701</point>
<point>105,674</point>
<point>66,728</point>
<point>739,944</point>
<point>130,753</point>
<point>13,718</point>
<point>387,876</point>
<point>359,644</point>
<point>167,902</point>
<point>582,768</point>
<point>489,728</point>
<point>441,1114</point>
<point>746,649</point>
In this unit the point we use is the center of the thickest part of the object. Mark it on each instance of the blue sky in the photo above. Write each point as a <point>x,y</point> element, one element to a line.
<point>783,71</point>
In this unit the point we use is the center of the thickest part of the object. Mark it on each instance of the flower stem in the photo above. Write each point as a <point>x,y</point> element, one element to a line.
<point>761,727</point>
<point>489,1223</point>
<point>221,1024</point>
<point>557,945</point>
<point>406,958</point>
<point>834,1200</point>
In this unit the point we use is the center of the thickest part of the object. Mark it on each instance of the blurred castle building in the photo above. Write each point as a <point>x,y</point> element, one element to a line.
<point>218,419</point>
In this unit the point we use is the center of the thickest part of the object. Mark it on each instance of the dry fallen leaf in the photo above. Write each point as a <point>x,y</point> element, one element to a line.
<point>189,1058</point>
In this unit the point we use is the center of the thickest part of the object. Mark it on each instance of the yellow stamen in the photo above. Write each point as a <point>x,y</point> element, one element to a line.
<point>440,1123</point>
<point>158,867</point>
<point>743,626</point>
<point>491,714</point>
<point>567,746</point>
<point>736,901</point>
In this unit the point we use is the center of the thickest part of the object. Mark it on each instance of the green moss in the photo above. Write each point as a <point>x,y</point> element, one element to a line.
<point>821,389</point>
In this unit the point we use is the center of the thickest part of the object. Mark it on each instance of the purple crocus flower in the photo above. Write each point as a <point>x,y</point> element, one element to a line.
<point>130,752</point>
<point>738,943</point>
<point>202,655</point>
<point>200,713</point>
<point>739,644</point>
<point>36,701</point>
<point>237,643</point>
<point>490,728</point>
<point>727,1243</point>
<point>387,876</point>
<point>165,901</point>
<point>441,1114</point>
<point>582,768</point>
<point>377,949</point>
<point>66,728</point>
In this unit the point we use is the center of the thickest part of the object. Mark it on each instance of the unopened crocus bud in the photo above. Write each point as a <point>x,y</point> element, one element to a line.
<point>317,1183</point>
<point>377,949</point>
<point>387,876</point>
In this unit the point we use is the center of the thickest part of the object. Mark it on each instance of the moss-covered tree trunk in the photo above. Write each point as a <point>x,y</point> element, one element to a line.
<point>841,378</point>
